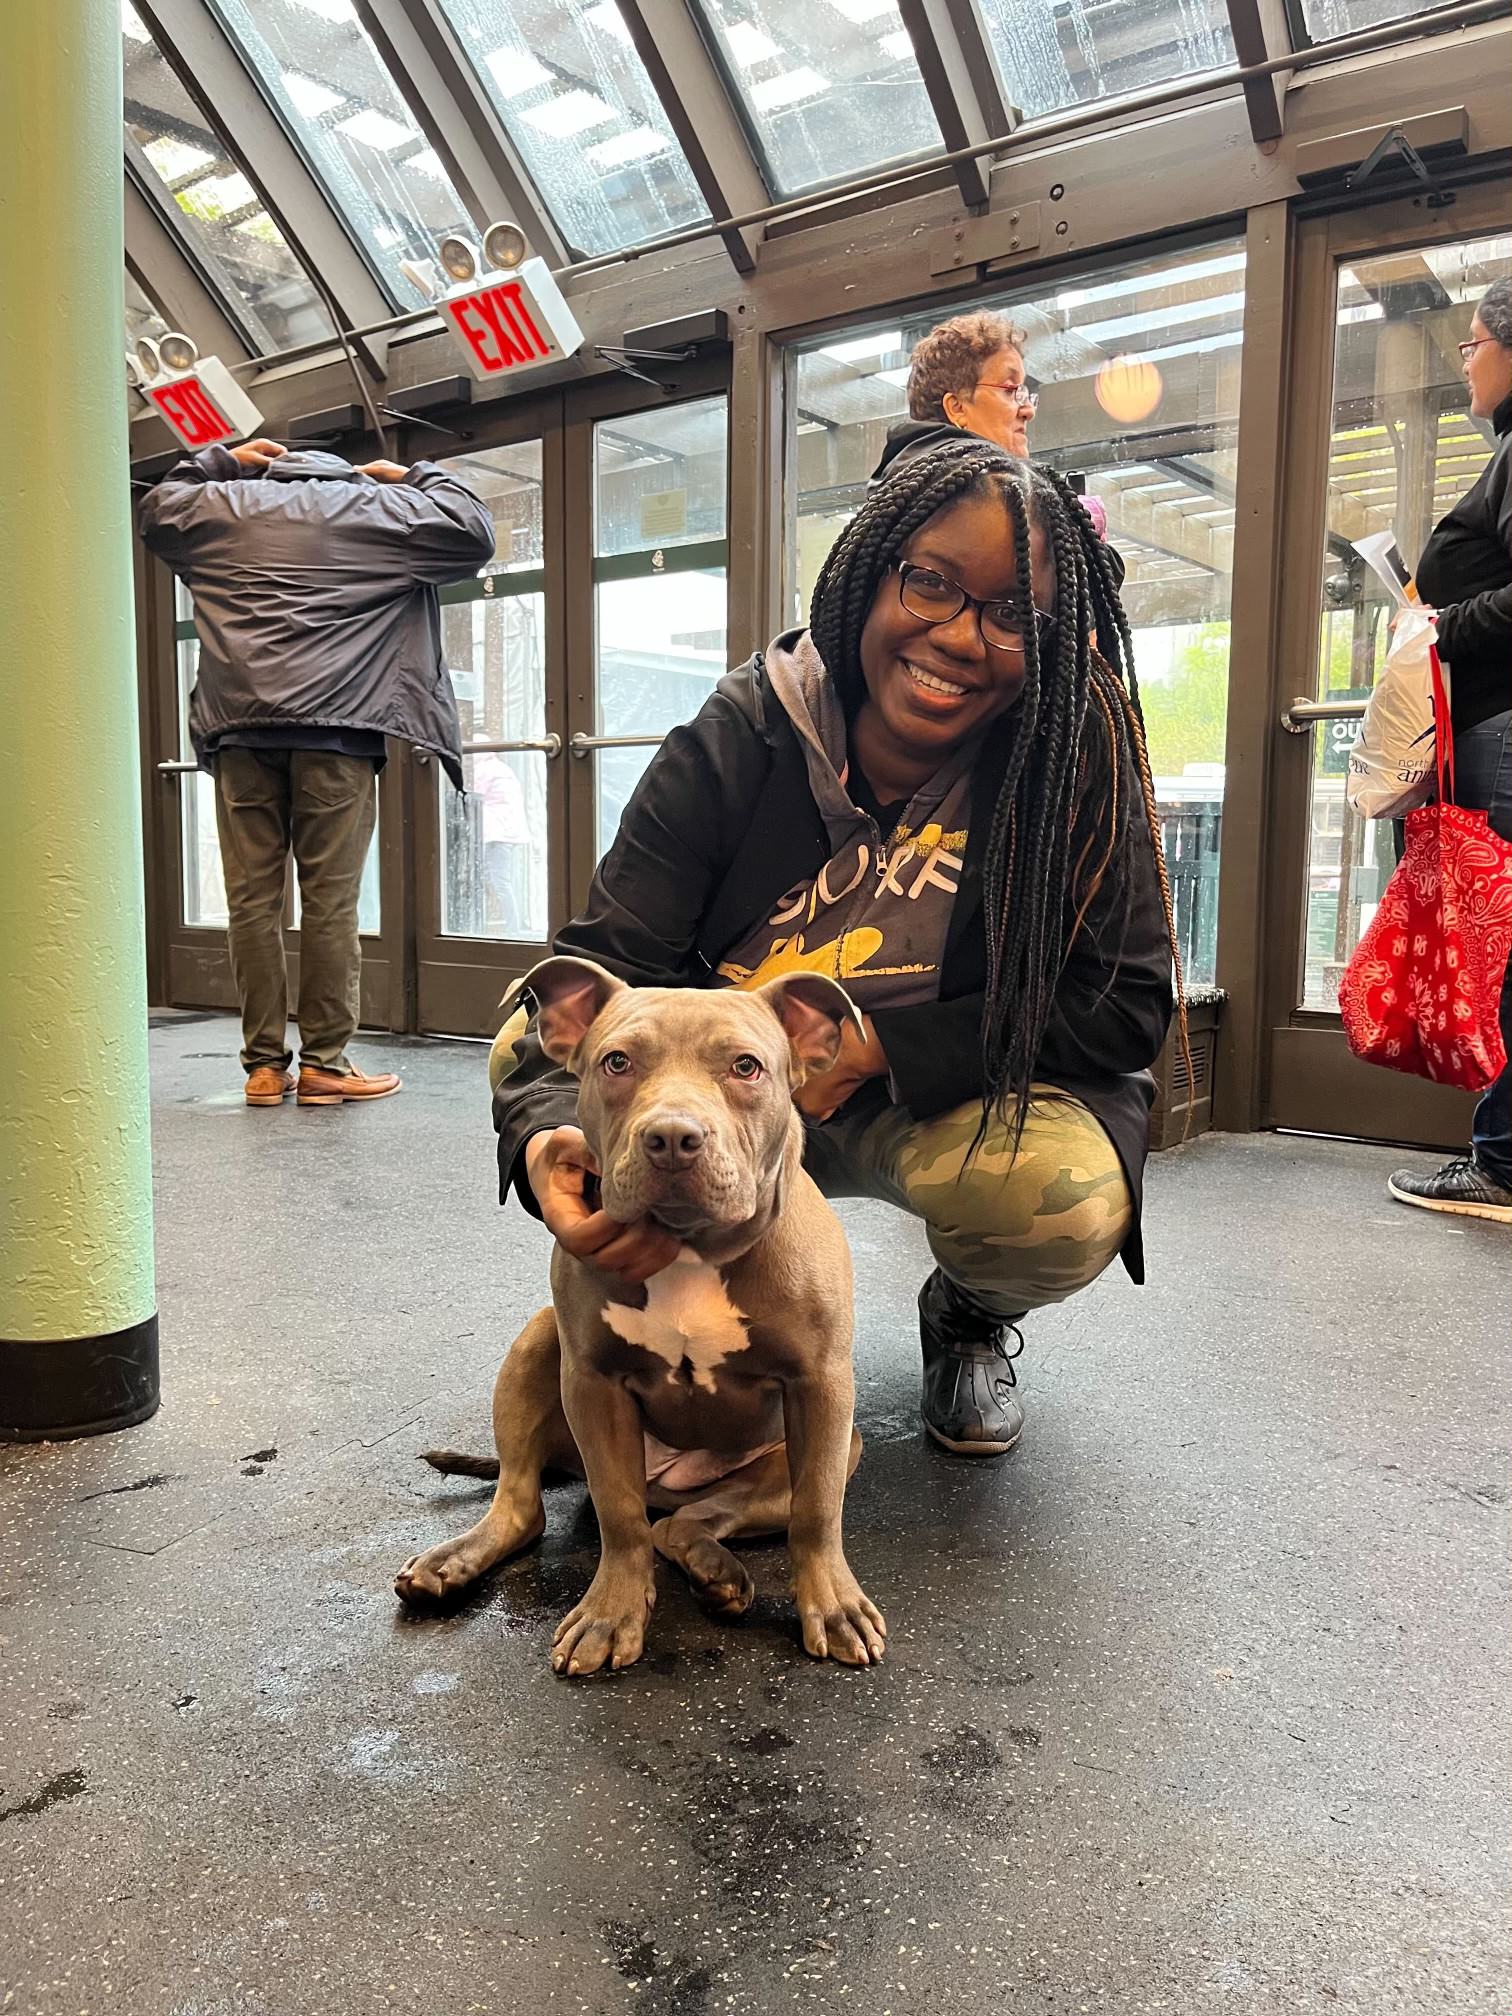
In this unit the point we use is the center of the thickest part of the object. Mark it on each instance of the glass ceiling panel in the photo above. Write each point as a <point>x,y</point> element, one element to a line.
<point>830,87</point>
<point>567,84</point>
<point>1327,18</point>
<point>1054,57</point>
<point>324,74</point>
<point>222,218</point>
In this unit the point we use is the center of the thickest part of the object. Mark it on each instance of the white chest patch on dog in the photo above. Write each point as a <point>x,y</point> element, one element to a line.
<point>688,1319</point>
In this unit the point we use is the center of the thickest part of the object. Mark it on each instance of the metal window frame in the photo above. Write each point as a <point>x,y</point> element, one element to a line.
<point>965,87</point>
<point>185,292</point>
<point>1302,36</point>
<point>222,82</point>
<point>1262,29</point>
<point>447,100</point>
<point>705,114</point>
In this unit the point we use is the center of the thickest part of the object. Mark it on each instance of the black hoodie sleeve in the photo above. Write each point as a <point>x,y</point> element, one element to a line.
<point>649,895</point>
<point>1480,626</point>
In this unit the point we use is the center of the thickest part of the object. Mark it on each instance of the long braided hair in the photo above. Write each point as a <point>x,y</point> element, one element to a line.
<point>1069,757</point>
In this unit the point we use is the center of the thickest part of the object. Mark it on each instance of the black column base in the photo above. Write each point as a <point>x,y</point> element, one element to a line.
<point>52,1391</point>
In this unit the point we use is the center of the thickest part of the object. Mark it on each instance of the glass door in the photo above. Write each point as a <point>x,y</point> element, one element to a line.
<point>659,597</point>
<point>491,863</point>
<point>599,625</point>
<point>1386,445</point>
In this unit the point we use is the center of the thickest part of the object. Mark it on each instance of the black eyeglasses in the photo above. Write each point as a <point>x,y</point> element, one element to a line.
<point>934,598</point>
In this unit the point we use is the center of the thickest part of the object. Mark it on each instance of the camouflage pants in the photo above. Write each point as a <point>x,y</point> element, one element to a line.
<point>1015,1231</point>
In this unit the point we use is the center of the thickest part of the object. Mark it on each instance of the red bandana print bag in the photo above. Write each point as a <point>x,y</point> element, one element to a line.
<point>1422,990</point>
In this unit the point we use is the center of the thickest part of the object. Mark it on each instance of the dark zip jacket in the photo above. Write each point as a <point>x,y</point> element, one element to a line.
<point>315,593</point>
<point>1466,574</point>
<point>724,823</point>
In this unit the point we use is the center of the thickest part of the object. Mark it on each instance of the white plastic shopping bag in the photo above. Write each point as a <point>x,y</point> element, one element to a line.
<point>1392,767</point>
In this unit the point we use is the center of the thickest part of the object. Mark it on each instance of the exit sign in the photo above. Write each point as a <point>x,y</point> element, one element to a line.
<point>509,323</point>
<point>205,407</point>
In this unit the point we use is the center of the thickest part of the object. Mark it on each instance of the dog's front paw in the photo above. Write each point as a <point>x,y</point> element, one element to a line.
<point>608,1628</point>
<point>839,1619</point>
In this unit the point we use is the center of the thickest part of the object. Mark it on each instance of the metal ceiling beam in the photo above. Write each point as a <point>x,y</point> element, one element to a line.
<point>156,253</point>
<point>699,109</point>
<point>955,61</point>
<point>216,78</point>
<point>450,106</point>
<point>1260,31</point>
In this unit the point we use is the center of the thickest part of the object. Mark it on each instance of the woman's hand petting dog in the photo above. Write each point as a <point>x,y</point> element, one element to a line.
<point>560,1169</point>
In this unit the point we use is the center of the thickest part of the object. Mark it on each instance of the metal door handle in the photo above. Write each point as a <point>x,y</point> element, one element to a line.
<point>177,769</point>
<point>1300,715</point>
<point>581,744</point>
<point>548,745</point>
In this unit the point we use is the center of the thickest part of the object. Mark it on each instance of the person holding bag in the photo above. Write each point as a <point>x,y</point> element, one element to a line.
<point>1465,574</point>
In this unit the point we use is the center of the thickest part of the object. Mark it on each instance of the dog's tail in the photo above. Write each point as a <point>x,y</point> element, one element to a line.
<point>454,1463</point>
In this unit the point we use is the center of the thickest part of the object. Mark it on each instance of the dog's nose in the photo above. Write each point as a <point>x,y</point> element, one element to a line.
<point>673,1141</point>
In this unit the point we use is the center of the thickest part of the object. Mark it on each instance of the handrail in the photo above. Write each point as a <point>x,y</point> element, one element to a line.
<point>1301,713</point>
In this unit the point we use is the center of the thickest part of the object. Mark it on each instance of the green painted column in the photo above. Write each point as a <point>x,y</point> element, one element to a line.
<point>78,1323</point>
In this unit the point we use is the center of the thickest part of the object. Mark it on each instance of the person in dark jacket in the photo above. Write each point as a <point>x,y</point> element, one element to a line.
<point>1465,573</point>
<point>314,589</point>
<point>938,795</point>
<point>968,377</point>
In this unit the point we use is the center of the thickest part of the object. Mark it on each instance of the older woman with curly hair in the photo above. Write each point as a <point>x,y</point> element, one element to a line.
<point>968,377</point>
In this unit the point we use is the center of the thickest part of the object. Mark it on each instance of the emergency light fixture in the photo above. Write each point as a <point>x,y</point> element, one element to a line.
<point>197,396</point>
<point>508,319</point>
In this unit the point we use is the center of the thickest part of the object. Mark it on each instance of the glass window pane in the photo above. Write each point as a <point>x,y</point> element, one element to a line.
<point>494,847</point>
<point>566,82</point>
<point>221,215</point>
<point>1052,57</point>
<point>1404,451</point>
<point>1327,18</point>
<point>660,482</point>
<point>1169,330</point>
<point>829,88</point>
<point>324,74</point>
<point>661,478</point>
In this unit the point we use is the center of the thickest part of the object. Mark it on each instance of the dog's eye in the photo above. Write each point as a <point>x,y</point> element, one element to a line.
<point>747,1067</point>
<point>616,1063</point>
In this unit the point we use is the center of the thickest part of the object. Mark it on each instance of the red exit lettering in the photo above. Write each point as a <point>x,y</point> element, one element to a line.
<point>190,412</point>
<point>499,328</point>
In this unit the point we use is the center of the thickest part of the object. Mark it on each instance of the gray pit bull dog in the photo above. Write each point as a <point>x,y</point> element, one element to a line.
<point>722,1390</point>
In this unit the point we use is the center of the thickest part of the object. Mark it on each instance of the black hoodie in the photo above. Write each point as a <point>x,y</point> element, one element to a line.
<point>907,440</point>
<point>1466,574</point>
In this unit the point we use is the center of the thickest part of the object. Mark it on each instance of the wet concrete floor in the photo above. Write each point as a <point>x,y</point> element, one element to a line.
<point>1196,1703</point>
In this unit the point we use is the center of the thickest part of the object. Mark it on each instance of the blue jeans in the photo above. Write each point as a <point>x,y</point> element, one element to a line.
<point>1483,780</point>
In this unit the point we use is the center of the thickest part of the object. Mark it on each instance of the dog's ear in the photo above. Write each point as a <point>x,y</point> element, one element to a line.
<point>813,1009</point>
<point>570,995</point>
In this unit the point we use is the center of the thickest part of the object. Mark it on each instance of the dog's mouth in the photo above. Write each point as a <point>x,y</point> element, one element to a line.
<point>685,1219</point>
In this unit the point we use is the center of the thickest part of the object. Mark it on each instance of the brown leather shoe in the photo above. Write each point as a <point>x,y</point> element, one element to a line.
<point>268,1086</point>
<point>331,1088</point>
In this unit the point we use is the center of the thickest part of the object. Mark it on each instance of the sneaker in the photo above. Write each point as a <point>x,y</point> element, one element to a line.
<point>1461,1186</point>
<point>331,1088</point>
<point>968,1404</point>
<point>268,1086</point>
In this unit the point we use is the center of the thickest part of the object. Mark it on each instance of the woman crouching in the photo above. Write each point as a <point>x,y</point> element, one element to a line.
<point>938,794</point>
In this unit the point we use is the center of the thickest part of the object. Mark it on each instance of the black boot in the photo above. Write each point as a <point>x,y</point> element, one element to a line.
<point>969,1404</point>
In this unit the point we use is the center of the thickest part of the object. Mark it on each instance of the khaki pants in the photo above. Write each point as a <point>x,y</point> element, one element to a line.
<point>1017,1232</point>
<point>323,807</point>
